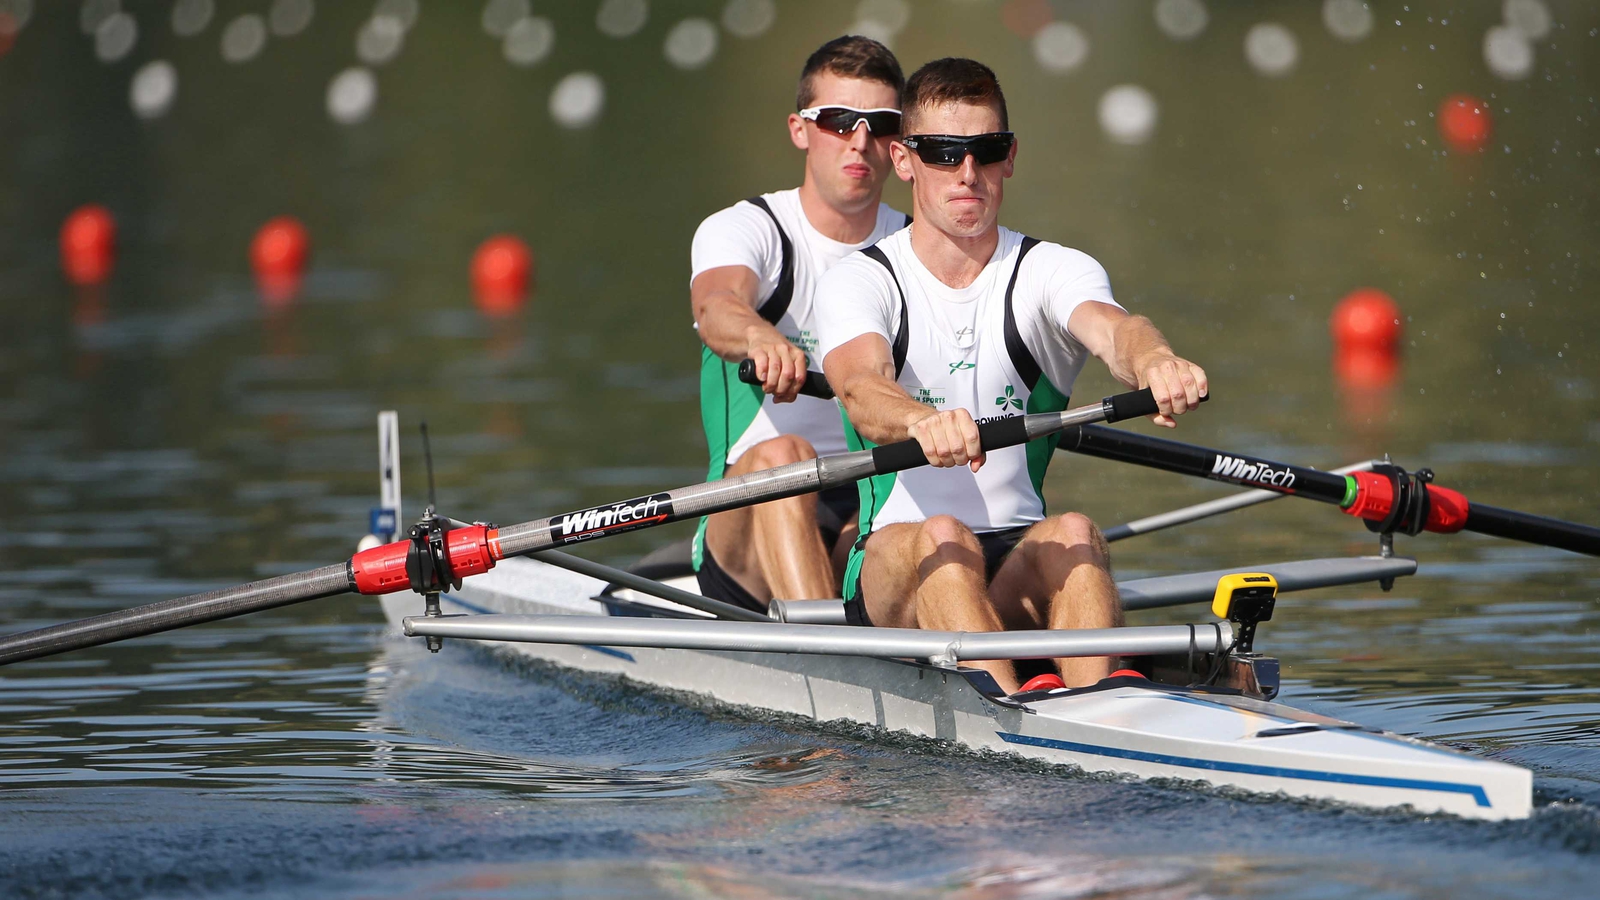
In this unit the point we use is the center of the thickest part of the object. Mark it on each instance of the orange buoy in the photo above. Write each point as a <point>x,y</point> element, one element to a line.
<point>1366,317</point>
<point>502,270</point>
<point>280,249</point>
<point>1365,368</point>
<point>1464,123</point>
<point>88,245</point>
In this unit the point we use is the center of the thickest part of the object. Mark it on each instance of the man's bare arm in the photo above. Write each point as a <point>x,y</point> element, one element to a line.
<point>1139,356</point>
<point>861,373</point>
<point>724,304</point>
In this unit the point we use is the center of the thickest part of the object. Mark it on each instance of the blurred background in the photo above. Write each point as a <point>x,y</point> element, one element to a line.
<point>193,403</point>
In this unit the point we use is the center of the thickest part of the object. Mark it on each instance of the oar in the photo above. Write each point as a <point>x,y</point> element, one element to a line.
<point>1388,498</point>
<point>435,558</point>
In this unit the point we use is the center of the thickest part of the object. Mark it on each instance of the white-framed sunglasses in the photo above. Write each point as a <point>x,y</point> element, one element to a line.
<point>881,122</point>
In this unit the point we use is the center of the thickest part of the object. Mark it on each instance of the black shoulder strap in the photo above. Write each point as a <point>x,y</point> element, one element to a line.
<point>1021,359</point>
<point>778,303</point>
<point>908,221</point>
<point>902,338</point>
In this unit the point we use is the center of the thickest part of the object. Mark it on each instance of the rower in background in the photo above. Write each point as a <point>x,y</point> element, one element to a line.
<point>957,319</point>
<point>756,265</point>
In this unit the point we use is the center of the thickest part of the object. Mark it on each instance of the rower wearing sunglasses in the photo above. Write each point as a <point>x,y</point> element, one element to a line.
<point>957,320</point>
<point>755,266</point>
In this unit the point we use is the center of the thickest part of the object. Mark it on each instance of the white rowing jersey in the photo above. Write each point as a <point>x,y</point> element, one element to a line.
<point>999,347</point>
<point>771,236</point>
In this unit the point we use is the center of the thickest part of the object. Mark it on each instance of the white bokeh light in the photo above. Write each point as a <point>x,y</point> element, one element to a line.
<point>153,89</point>
<point>529,41</point>
<point>380,40</point>
<point>20,12</point>
<point>1128,114</point>
<point>1347,20</point>
<point>288,18</point>
<point>115,37</point>
<point>190,17</point>
<point>351,95</point>
<point>1530,18</point>
<point>1508,53</point>
<point>1181,20</point>
<point>244,38</point>
<point>577,100</point>
<point>1271,49</point>
<point>622,18</point>
<point>1060,47</point>
<point>403,11</point>
<point>691,43</point>
<point>749,18</point>
<point>93,12</point>
<point>893,15</point>
<point>874,29</point>
<point>500,15</point>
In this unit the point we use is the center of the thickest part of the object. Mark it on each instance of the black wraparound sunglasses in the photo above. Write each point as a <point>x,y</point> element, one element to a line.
<point>882,122</point>
<point>952,149</point>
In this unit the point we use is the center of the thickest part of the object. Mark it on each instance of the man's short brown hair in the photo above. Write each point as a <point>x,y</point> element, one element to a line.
<point>951,80</point>
<point>851,56</point>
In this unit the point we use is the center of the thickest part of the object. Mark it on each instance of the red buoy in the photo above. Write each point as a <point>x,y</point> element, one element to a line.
<point>1366,317</point>
<point>280,249</point>
<point>88,245</point>
<point>1365,368</point>
<point>502,269</point>
<point>8,31</point>
<point>1464,123</point>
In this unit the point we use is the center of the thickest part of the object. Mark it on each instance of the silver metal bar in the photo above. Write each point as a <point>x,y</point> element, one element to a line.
<point>389,468</point>
<point>835,640</point>
<point>1212,508</point>
<point>807,612</point>
<point>1300,575</point>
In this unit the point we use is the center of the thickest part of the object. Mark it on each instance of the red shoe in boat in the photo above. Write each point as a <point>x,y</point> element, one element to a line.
<point>1046,682</point>
<point>1127,673</point>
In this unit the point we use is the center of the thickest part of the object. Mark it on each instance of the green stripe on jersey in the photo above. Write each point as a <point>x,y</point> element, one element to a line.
<point>874,493</point>
<point>1043,398</point>
<point>727,407</point>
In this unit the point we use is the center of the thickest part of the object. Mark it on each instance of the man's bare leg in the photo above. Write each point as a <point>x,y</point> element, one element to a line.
<point>1059,576</point>
<point>931,575</point>
<point>774,549</point>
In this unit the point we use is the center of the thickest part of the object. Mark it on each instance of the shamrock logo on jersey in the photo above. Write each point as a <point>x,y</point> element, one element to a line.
<point>1010,399</point>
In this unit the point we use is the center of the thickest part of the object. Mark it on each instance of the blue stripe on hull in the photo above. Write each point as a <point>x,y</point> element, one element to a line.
<point>1474,791</point>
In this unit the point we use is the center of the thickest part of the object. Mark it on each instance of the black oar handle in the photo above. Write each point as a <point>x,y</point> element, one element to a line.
<point>1012,430</point>
<point>1130,405</point>
<point>907,454</point>
<point>815,384</point>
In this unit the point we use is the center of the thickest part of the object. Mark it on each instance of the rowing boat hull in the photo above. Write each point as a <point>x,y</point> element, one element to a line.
<point>1127,727</point>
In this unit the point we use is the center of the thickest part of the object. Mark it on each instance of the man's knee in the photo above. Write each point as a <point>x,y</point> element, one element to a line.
<point>1078,534</point>
<point>780,451</point>
<point>945,531</point>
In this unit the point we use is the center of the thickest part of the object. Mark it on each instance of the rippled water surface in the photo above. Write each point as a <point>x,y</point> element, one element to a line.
<point>173,432</point>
